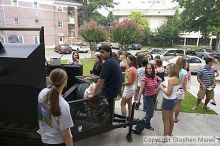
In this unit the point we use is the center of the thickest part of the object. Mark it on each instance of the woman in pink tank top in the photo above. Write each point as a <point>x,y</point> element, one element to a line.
<point>129,89</point>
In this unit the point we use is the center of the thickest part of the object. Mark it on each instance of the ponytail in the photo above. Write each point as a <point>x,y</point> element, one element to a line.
<point>57,78</point>
<point>54,102</point>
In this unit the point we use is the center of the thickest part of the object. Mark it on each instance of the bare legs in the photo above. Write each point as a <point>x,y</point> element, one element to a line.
<point>177,109</point>
<point>123,108</point>
<point>168,122</point>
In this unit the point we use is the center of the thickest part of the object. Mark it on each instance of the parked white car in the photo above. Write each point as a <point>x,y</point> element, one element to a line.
<point>80,48</point>
<point>173,52</point>
<point>195,63</point>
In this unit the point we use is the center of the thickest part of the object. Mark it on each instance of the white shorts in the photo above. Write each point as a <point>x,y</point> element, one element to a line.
<point>128,91</point>
<point>180,94</point>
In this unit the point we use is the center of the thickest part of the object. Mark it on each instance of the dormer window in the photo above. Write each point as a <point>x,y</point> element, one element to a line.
<point>35,5</point>
<point>60,8</point>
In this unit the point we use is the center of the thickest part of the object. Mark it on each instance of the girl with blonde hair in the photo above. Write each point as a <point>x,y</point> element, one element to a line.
<point>182,75</point>
<point>169,90</point>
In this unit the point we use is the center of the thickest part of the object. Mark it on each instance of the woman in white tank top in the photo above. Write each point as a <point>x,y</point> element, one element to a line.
<point>169,101</point>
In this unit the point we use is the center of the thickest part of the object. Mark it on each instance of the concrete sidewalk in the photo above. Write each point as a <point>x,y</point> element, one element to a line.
<point>194,88</point>
<point>190,124</point>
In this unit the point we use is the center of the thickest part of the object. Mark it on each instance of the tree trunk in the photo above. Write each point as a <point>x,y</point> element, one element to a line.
<point>217,47</point>
<point>92,46</point>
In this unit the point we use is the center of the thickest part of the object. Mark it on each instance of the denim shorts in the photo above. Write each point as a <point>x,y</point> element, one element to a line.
<point>169,104</point>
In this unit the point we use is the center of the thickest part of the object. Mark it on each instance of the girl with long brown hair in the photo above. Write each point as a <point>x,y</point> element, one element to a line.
<point>182,75</point>
<point>129,89</point>
<point>54,112</point>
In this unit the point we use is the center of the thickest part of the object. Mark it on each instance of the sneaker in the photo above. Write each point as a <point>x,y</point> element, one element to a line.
<point>206,108</point>
<point>176,120</point>
<point>194,108</point>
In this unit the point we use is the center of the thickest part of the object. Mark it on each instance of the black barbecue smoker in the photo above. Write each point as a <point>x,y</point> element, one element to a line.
<point>23,75</point>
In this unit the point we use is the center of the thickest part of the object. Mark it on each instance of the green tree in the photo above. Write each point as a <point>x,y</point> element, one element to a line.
<point>110,18</point>
<point>102,20</point>
<point>126,32</point>
<point>168,32</point>
<point>89,8</point>
<point>142,21</point>
<point>203,16</point>
<point>93,33</point>
<point>139,18</point>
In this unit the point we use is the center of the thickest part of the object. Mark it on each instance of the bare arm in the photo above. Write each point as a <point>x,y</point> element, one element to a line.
<point>168,91</point>
<point>217,73</point>
<point>67,137</point>
<point>159,80</point>
<point>184,82</point>
<point>141,88</point>
<point>200,82</point>
<point>214,82</point>
<point>98,86</point>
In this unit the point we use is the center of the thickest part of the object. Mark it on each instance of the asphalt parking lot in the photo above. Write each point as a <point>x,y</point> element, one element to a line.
<point>51,54</point>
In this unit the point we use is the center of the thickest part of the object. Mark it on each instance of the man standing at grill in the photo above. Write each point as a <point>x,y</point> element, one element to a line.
<point>110,79</point>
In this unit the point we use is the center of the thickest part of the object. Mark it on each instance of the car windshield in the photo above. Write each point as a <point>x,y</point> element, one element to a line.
<point>156,51</point>
<point>192,53</point>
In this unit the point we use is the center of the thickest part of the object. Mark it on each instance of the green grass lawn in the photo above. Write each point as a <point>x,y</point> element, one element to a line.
<point>49,49</point>
<point>187,103</point>
<point>190,102</point>
<point>87,65</point>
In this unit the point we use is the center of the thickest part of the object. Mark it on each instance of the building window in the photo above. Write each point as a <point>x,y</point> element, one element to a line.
<point>36,39</point>
<point>60,24</point>
<point>36,22</point>
<point>16,21</point>
<point>61,39</point>
<point>14,2</point>
<point>20,39</point>
<point>59,8</point>
<point>72,33</point>
<point>35,5</point>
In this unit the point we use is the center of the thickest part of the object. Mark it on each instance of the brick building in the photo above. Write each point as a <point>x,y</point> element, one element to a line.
<point>59,18</point>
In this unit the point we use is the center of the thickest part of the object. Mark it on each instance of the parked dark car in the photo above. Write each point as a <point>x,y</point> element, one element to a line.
<point>63,49</point>
<point>153,51</point>
<point>204,53</point>
<point>136,46</point>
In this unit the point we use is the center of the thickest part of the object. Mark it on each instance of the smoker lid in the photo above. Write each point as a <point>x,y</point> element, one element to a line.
<point>18,50</point>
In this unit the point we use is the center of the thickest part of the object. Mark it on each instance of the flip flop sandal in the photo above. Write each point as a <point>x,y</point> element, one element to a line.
<point>177,120</point>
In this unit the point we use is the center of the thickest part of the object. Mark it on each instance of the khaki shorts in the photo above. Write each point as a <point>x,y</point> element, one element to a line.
<point>209,93</point>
